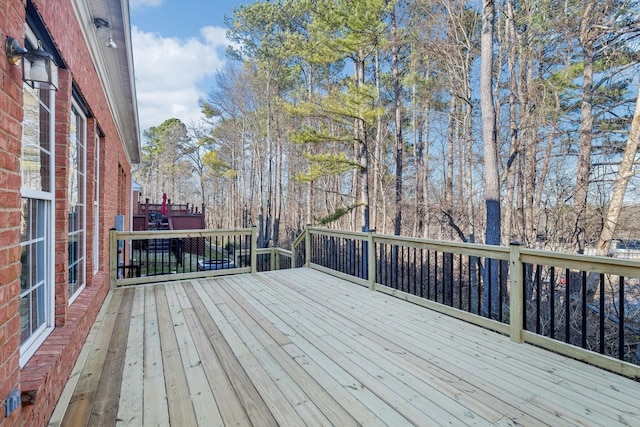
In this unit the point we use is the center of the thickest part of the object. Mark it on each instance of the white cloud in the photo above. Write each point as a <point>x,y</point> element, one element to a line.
<point>142,3</point>
<point>169,70</point>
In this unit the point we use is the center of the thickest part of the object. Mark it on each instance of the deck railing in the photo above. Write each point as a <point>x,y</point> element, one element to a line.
<point>139,257</point>
<point>585,307</point>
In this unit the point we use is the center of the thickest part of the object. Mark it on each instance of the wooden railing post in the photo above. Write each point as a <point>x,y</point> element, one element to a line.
<point>294,255</point>
<point>254,249</point>
<point>516,300</point>
<point>307,246</point>
<point>113,258</point>
<point>371,261</point>
<point>272,259</point>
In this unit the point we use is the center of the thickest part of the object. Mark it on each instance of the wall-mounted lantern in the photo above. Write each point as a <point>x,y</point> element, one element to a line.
<point>38,68</point>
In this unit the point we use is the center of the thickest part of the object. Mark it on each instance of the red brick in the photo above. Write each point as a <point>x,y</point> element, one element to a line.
<point>48,369</point>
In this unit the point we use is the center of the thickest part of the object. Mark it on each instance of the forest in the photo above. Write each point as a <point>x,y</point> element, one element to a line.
<point>484,122</point>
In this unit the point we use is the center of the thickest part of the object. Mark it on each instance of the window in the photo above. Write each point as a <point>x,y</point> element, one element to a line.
<point>77,201</point>
<point>96,206</point>
<point>37,233</point>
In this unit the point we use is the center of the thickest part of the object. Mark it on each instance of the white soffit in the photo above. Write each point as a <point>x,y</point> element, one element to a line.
<point>115,67</point>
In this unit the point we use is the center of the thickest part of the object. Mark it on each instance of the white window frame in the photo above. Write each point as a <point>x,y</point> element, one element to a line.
<point>82,258</point>
<point>37,337</point>
<point>96,207</point>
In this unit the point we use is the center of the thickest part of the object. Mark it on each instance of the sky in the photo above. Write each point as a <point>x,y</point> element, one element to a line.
<point>178,45</point>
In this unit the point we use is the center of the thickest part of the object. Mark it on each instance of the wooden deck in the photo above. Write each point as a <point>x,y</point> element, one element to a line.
<point>298,347</point>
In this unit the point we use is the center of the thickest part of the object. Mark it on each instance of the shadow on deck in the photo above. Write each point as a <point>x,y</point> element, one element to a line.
<point>299,347</point>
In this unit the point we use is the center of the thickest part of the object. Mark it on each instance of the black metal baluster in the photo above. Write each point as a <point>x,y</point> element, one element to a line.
<point>459,281</point>
<point>162,255</point>
<point>428,274</point>
<point>147,244</point>
<point>584,309</point>
<point>538,298</point>
<point>359,258</point>
<point>450,287</point>
<point>435,284</point>
<point>469,280</point>
<point>415,272</point>
<point>621,319</point>
<point>567,303</point>
<point>552,300</point>
<point>490,280</point>
<point>500,290</point>
<point>383,262</point>
<point>342,253</point>
<point>402,269</point>
<point>480,284</point>
<point>601,318</point>
<point>394,266</point>
<point>525,286</point>
<point>388,266</point>
<point>421,273</point>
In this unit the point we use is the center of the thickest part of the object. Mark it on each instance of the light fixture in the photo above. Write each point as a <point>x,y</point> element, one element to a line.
<point>110,43</point>
<point>103,31</point>
<point>38,68</point>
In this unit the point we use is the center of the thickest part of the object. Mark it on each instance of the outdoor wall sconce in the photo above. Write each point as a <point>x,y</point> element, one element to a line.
<point>104,32</point>
<point>38,68</point>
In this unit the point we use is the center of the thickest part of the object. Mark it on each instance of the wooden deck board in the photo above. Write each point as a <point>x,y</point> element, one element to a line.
<point>299,347</point>
<point>105,405</point>
<point>155,410</point>
<point>131,392</point>
<point>81,403</point>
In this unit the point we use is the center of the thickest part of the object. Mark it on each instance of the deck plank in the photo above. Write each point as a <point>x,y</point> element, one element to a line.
<point>131,392</point>
<point>105,406</point>
<point>81,403</point>
<point>155,411</point>
<point>181,410</point>
<point>200,392</point>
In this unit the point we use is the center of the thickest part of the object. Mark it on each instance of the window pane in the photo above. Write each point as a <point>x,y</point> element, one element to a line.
<point>24,276</point>
<point>45,136</point>
<point>25,326</point>
<point>40,261</point>
<point>35,161</point>
<point>77,200</point>
<point>38,307</point>
<point>25,229</point>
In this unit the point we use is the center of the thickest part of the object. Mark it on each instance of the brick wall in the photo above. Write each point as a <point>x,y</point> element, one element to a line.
<point>11,23</point>
<point>43,378</point>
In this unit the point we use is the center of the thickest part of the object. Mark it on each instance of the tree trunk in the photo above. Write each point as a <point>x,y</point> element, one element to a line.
<point>492,184</point>
<point>399,143</point>
<point>363,152</point>
<point>586,135</point>
<point>514,151</point>
<point>625,172</point>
